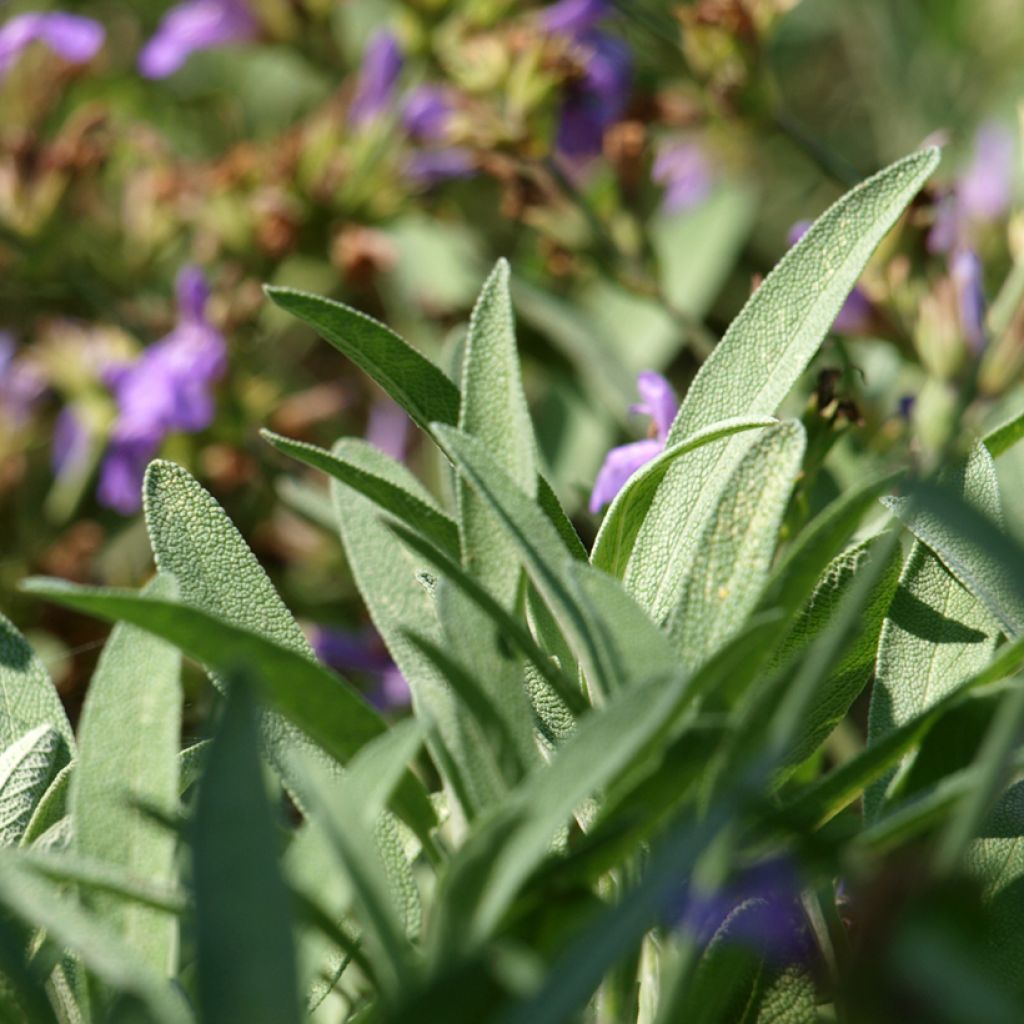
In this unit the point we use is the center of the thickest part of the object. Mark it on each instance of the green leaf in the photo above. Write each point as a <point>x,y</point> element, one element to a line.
<point>1003,438</point>
<point>363,468</point>
<point>245,953</point>
<point>128,738</point>
<point>936,634</point>
<point>540,549</point>
<point>733,558</point>
<point>52,806</point>
<point>104,954</point>
<point>494,411</point>
<point>851,669</point>
<point>414,382</point>
<point>312,697</point>
<point>399,597</point>
<point>27,768</point>
<point>761,357</point>
<point>626,514</point>
<point>935,523</point>
<point>29,697</point>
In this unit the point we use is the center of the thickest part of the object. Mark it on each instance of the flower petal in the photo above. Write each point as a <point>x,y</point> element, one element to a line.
<point>619,465</point>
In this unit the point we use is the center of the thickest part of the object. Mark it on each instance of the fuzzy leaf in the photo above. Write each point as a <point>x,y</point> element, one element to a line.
<point>246,959</point>
<point>626,514</point>
<point>735,553</point>
<point>360,469</point>
<point>27,768</point>
<point>762,355</point>
<point>128,740</point>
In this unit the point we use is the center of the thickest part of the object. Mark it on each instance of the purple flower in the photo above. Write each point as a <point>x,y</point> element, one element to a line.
<point>980,195</point>
<point>427,112</point>
<point>378,78</point>
<point>431,166</point>
<point>573,17</point>
<point>856,314</point>
<point>595,100</point>
<point>192,26</point>
<point>167,388</point>
<point>965,270</point>
<point>363,652</point>
<point>684,170</point>
<point>660,404</point>
<point>74,38</point>
<point>21,383</point>
<point>388,428</point>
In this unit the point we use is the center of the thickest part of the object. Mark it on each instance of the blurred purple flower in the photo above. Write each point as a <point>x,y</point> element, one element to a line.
<point>574,17</point>
<point>595,100</point>
<point>378,78</point>
<point>167,388</point>
<point>70,441</point>
<point>760,910</point>
<point>74,38</point>
<point>981,194</point>
<point>363,652</point>
<point>192,26</point>
<point>21,383</point>
<point>965,270</point>
<point>388,428</point>
<point>660,404</point>
<point>430,166</point>
<point>856,314</point>
<point>427,112</point>
<point>684,170</point>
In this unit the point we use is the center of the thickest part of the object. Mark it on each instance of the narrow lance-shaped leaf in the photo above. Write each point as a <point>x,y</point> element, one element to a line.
<point>27,768</point>
<point>246,957</point>
<point>735,553</point>
<point>758,361</point>
<point>309,695</point>
<point>936,633</point>
<point>625,515</point>
<point>129,735</point>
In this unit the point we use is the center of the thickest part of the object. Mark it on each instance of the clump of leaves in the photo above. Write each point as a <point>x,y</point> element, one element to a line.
<point>612,801</point>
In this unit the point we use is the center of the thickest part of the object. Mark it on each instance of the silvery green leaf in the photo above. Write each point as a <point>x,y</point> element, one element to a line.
<point>734,555</point>
<point>990,579</point>
<point>397,587</point>
<point>27,768</point>
<point>761,357</point>
<point>103,953</point>
<point>625,515</point>
<point>245,952</point>
<point>936,634</point>
<point>309,695</point>
<point>494,411</point>
<point>1004,437</point>
<point>52,806</point>
<point>29,697</point>
<point>128,738</point>
<point>360,471</point>
<point>409,378</point>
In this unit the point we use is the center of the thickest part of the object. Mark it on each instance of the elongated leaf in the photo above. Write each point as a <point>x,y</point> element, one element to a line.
<point>849,673</point>
<point>734,556</point>
<point>758,361</point>
<point>625,516</point>
<point>102,952</point>
<point>196,544</point>
<point>360,472</point>
<point>309,695</point>
<point>27,768</point>
<point>494,411</point>
<point>409,378</point>
<point>399,597</point>
<point>540,549</point>
<point>29,697</point>
<point>936,634</point>
<point>989,578</point>
<point>52,806</point>
<point>128,737</point>
<point>246,957</point>
<point>1003,438</point>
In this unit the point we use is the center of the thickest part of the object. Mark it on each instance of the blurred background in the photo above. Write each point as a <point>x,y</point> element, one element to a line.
<point>642,164</point>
